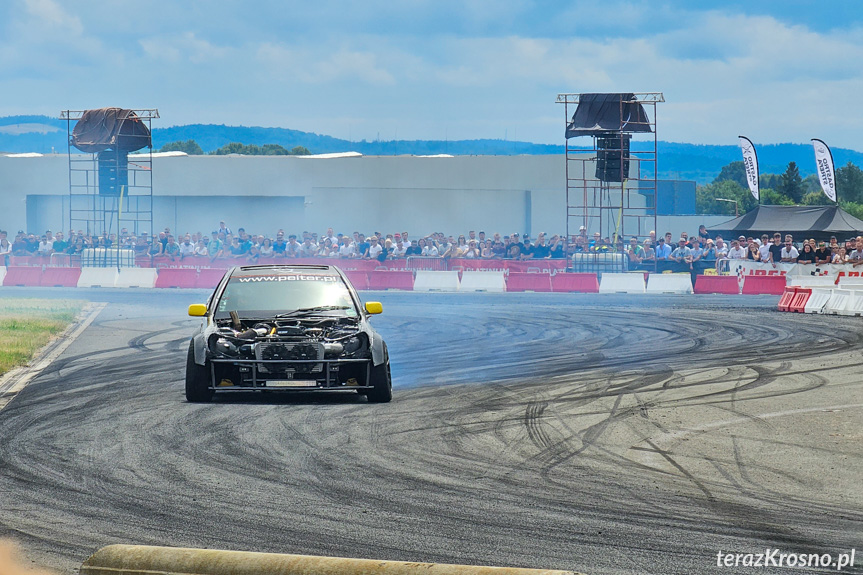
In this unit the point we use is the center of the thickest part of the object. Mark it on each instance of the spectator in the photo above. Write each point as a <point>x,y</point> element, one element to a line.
<point>822,254</point>
<point>682,256</point>
<point>307,249</point>
<point>498,248</point>
<point>736,252</point>
<point>223,229</point>
<point>472,251</point>
<point>485,252</point>
<point>374,249</point>
<point>407,243</point>
<point>752,254</point>
<point>702,233</point>
<point>292,248</point>
<point>721,248</point>
<point>46,246</point>
<point>399,250</point>
<point>347,248</point>
<point>362,244</point>
<point>789,253</point>
<point>708,258</point>
<point>414,249</point>
<point>839,256</point>
<point>280,245</point>
<point>201,249</point>
<point>856,256</point>
<point>266,250</point>
<point>172,249</point>
<point>5,247</point>
<point>187,248</point>
<point>635,253</point>
<point>59,244</point>
<point>541,250</point>
<point>649,257</point>
<point>764,250</point>
<point>594,244</point>
<point>386,253</point>
<point>663,251</point>
<point>776,248</point>
<point>555,247</point>
<point>430,249</point>
<point>78,247</point>
<point>527,250</point>
<point>807,256</point>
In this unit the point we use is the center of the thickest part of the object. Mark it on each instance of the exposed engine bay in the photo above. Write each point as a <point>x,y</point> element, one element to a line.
<point>290,349</point>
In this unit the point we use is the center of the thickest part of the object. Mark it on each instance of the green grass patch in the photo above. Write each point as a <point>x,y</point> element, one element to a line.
<point>27,325</point>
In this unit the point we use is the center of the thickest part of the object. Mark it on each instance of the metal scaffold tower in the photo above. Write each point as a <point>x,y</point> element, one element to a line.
<point>110,172</point>
<point>611,168</point>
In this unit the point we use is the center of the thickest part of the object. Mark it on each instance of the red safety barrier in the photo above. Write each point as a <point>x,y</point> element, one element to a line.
<point>798,303</point>
<point>569,282</point>
<point>208,278</point>
<point>176,278</point>
<point>716,284</point>
<point>358,278</point>
<point>22,276</point>
<point>520,281</point>
<point>786,298</point>
<point>391,279</point>
<point>60,277</point>
<point>764,285</point>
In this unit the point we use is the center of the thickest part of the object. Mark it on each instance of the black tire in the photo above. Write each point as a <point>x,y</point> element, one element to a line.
<point>381,380</point>
<point>197,379</point>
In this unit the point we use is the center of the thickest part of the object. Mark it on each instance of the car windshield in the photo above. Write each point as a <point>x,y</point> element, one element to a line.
<point>264,294</point>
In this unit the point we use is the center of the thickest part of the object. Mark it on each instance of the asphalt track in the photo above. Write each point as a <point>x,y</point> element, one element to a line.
<point>599,433</point>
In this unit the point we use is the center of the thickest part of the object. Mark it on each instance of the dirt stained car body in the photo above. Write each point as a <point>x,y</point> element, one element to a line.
<point>286,328</point>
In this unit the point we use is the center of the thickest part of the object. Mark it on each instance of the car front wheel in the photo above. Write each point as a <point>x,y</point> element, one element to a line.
<point>382,383</point>
<point>197,379</point>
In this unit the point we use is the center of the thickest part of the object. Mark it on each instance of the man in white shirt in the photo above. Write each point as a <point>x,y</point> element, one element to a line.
<point>46,246</point>
<point>736,252</point>
<point>347,249</point>
<point>187,248</point>
<point>764,249</point>
<point>789,252</point>
<point>374,250</point>
<point>399,249</point>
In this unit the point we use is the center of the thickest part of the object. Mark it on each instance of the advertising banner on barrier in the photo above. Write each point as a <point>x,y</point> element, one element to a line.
<point>743,268</point>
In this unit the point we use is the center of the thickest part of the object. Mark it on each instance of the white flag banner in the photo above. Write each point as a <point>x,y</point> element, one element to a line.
<point>750,164</point>
<point>824,163</point>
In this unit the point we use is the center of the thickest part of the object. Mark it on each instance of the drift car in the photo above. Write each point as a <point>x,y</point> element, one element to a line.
<point>286,328</point>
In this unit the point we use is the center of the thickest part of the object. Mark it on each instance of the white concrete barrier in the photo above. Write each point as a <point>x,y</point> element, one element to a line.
<point>2,274</point>
<point>426,280</point>
<point>669,283</point>
<point>136,277</point>
<point>811,281</point>
<point>817,301</point>
<point>855,302</point>
<point>838,301</point>
<point>846,282</point>
<point>145,560</point>
<point>487,281</point>
<point>622,283</point>
<point>97,277</point>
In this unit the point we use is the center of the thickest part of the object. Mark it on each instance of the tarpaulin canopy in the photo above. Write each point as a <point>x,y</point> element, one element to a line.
<point>110,128</point>
<point>819,222</point>
<point>599,113</point>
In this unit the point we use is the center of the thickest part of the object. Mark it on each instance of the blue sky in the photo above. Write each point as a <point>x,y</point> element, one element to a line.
<point>777,71</point>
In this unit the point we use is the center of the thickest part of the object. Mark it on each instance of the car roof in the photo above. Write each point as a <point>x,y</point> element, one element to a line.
<point>286,268</point>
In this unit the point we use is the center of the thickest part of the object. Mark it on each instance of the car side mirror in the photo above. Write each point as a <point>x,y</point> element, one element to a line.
<point>374,307</point>
<point>197,310</point>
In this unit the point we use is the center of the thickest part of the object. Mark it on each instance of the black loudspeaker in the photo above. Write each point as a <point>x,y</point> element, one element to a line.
<point>612,157</point>
<point>113,172</point>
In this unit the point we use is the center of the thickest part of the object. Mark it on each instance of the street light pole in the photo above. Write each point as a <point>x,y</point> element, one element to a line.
<point>736,214</point>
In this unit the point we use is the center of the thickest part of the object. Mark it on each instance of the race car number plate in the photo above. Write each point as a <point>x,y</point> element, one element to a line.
<point>290,383</point>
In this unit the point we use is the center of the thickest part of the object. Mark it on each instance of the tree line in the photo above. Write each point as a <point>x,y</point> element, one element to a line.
<point>192,148</point>
<point>785,189</point>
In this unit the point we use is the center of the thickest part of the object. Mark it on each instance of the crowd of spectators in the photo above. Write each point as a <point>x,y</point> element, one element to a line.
<point>694,253</point>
